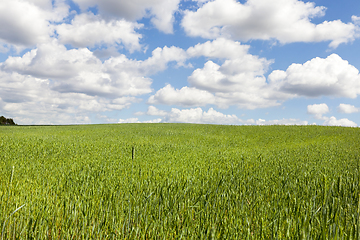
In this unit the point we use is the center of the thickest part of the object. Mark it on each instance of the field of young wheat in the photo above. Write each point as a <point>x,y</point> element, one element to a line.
<point>179,181</point>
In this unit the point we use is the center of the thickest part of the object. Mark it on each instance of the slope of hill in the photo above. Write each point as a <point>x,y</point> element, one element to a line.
<point>179,181</point>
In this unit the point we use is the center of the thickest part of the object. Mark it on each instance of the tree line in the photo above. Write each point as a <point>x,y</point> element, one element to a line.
<point>6,121</point>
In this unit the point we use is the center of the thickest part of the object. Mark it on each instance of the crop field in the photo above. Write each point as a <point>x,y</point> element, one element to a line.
<point>179,181</point>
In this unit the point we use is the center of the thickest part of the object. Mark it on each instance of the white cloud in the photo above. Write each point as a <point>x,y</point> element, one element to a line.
<point>196,115</point>
<point>105,118</point>
<point>78,70</point>
<point>33,101</point>
<point>129,120</point>
<point>201,2</point>
<point>160,11</point>
<point>318,110</point>
<point>162,56</point>
<point>153,111</point>
<point>122,66</point>
<point>238,81</point>
<point>236,75</point>
<point>22,23</point>
<point>164,14</point>
<point>332,76</point>
<point>157,120</point>
<point>44,4</point>
<point>283,121</point>
<point>356,19</point>
<point>219,48</point>
<point>106,53</point>
<point>88,30</point>
<point>120,103</point>
<point>346,108</point>
<point>185,97</point>
<point>136,120</point>
<point>332,121</point>
<point>51,81</point>
<point>26,23</point>
<point>285,20</point>
<point>62,85</point>
<point>52,60</point>
<point>58,9</point>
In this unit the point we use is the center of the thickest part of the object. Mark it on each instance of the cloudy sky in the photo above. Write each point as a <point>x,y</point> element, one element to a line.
<point>196,61</point>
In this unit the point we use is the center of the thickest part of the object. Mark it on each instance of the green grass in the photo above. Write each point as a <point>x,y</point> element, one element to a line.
<point>182,182</point>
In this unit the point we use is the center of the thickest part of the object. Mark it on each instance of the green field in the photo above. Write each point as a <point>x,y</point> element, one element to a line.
<point>179,181</point>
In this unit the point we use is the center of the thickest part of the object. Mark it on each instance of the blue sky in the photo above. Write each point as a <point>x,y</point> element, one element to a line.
<point>196,61</point>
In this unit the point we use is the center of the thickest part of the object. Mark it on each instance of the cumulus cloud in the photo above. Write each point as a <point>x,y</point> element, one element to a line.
<point>211,85</point>
<point>232,76</point>
<point>160,11</point>
<point>332,76</point>
<point>129,120</point>
<point>238,81</point>
<point>196,115</point>
<point>52,60</point>
<point>356,19</point>
<point>78,70</point>
<point>44,4</point>
<point>136,120</point>
<point>185,97</point>
<point>153,111</point>
<point>27,23</point>
<point>347,108</point>
<point>88,30</point>
<point>31,101</point>
<point>157,120</point>
<point>332,121</point>
<point>219,48</point>
<point>283,121</point>
<point>162,56</point>
<point>318,110</point>
<point>57,81</point>
<point>65,84</point>
<point>287,21</point>
<point>22,23</point>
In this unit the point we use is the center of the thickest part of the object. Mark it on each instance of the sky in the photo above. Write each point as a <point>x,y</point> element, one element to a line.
<point>238,62</point>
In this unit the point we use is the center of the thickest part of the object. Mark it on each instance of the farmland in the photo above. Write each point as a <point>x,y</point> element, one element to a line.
<point>179,181</point>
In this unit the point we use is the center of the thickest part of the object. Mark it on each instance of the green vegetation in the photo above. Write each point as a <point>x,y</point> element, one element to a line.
<point>6,121</point>
<point>179,181</point>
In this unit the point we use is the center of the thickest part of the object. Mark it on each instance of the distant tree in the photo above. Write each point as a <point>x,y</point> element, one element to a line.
<point>6,121</point>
